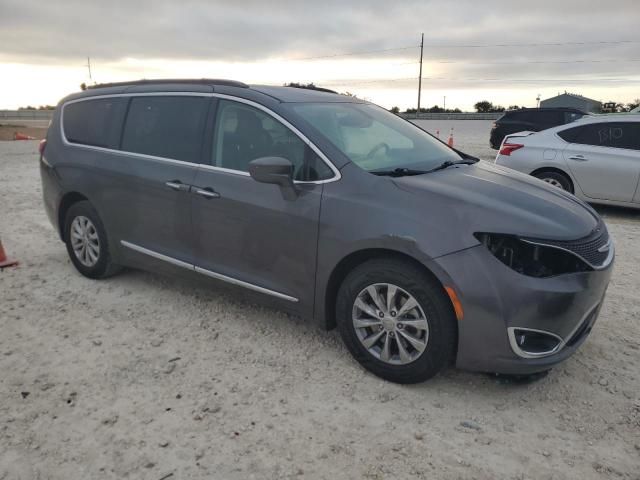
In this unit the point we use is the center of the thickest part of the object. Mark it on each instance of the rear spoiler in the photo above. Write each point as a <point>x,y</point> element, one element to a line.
<point>512,136</point>
<point>520,134</point>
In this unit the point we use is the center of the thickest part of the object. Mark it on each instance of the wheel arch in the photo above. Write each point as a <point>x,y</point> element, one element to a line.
<point>68,199</point>
<point>351,261</point>
<point>556,170</point>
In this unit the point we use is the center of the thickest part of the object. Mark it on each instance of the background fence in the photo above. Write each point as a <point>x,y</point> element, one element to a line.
<point>26,114</point>
<point>453,116</point>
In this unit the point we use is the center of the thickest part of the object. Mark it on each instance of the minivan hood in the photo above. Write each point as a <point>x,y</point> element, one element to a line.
<point>488,198</point>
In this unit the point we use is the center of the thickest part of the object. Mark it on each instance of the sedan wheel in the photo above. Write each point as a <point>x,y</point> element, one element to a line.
<point>557,179</point>
<point>552,181</point>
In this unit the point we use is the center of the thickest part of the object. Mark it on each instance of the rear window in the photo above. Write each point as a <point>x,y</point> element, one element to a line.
<point>549,117</point>
<point>572,116</point>
<point>165,126</point>
<point>94,122</point>
<point>605,134</point>
<point>514,115</point>
<point>542,117</point>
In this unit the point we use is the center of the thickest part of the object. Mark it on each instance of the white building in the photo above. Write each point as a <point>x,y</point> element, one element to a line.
<point>571,100</point>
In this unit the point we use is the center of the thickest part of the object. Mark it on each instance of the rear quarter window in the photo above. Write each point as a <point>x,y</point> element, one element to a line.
<point>165,126</point>
<point>94,122</point>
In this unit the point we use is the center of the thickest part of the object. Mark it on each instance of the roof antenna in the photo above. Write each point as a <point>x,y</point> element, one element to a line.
<point>89,68</point>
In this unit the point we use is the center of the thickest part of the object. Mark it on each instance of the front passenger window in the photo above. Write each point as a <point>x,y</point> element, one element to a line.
<point>244,133</point>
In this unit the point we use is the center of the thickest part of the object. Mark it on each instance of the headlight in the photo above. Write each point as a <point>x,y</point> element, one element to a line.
<point>530,259</point>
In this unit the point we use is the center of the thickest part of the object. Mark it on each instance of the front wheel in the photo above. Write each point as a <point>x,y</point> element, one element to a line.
<point>396,320</point>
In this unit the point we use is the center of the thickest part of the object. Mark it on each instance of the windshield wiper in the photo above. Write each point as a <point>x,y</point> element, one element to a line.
<point>399,172</point>
<point>404,172</point>
<point>451,163</point>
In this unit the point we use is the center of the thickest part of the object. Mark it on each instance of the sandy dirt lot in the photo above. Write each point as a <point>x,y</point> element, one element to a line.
<point>146,376</point>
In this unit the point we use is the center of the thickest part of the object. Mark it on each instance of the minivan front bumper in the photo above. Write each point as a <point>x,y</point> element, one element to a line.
<point>501,304</point>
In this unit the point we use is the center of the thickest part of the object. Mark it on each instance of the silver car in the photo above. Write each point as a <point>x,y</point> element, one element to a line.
<point>597,158</point>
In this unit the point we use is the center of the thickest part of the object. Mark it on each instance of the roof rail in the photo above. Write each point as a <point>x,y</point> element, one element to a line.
<point>160,81</point>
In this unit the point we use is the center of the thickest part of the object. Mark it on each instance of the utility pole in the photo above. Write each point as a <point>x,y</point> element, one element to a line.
<point>420,76</point>
<point>444,103</point>
<point>89,67</point>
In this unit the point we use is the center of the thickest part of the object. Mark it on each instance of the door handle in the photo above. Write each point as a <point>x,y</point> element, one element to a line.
<point>207,193</point>
<point>578,158</point>
<point>177,185</point>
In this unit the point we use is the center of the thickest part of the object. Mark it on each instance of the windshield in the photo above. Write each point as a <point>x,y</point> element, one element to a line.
<point>374,139</point>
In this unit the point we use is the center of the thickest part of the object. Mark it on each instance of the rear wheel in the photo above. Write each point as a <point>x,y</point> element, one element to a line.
<point>87,243</point>
<point>556,179</point>
<point>396,320</point>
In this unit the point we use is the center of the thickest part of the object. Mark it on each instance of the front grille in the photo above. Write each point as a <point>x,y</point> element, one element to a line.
<point>586,248</point>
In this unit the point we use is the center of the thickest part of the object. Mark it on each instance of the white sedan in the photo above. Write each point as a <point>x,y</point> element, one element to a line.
<point>597,157</point>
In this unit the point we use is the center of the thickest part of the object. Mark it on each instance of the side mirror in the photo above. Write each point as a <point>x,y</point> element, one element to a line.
<point>276,170</point>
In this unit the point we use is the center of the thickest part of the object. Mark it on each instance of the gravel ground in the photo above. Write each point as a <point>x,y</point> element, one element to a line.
<point>155,377</point>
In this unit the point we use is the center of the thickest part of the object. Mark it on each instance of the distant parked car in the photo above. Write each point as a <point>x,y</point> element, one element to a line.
<point>596,158</point>
<point>531,120</point>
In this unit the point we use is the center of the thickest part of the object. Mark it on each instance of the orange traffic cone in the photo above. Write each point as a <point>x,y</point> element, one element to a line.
<point>4,261</point>
<point>450,141</point>
<point>22,136</point>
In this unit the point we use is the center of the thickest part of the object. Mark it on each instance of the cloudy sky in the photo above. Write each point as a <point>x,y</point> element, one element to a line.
<point>507,52</point>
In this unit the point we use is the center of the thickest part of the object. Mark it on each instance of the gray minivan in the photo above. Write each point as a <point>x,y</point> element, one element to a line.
<point>338,211</point>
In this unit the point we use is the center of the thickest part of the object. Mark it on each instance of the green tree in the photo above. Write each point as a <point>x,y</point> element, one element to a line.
<point>634,104</point>
<point>395,110</point>
<point>485,106</point>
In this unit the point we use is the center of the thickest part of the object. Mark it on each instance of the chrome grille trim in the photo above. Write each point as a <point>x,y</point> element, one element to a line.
<point>596,249</point>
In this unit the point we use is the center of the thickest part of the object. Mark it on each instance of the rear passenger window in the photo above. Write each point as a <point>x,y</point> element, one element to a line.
<point>244,133</point>
<point>94,122</point>
<point>610,134</point>
<point>164,126</point>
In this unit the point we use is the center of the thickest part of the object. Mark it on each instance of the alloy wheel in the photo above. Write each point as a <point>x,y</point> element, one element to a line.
<point>553,181</point>
<point>390,323</point>
<point>84,241</point>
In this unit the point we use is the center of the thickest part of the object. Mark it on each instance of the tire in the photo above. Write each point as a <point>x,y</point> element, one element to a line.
<point>556,179</point>
<point>432,301</point>
<point>97,263</point>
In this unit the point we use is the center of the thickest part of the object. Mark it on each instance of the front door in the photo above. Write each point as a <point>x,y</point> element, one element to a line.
<point>246,232</point>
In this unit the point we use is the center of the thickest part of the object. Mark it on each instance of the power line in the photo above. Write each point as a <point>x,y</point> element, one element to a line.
<point>545,44</point>
<point>452,45</point>
<point>474,79</point>
<point>348,54</point>
<point>535,61</point>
